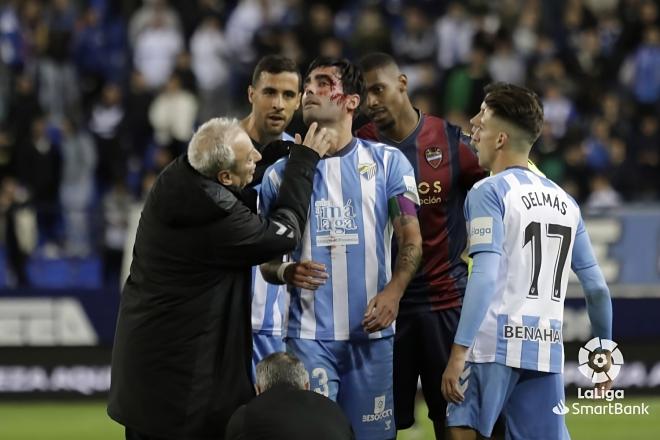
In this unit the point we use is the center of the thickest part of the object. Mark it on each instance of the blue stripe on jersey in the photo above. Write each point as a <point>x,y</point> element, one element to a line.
<point>547,182</point>
<point>272,296</point>
<point>502,187</point>
<point>556,350</point>
<point>356,285</point>
<point>500,349</point>
<point>382,217</point>
<point>323,307</point>
<point>335,310</point>
<point>522,178</point>
<point>529,354</point>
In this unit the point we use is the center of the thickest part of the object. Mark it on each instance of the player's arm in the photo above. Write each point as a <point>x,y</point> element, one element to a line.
<point>304,274</point>
<point>483,208</point>
<point>596,292</point>
<point>384,307</point>
<point>478,295</point>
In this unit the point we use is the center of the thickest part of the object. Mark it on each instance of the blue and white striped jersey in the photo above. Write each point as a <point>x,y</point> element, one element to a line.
<point>268,300</point>
<point>348,230</point>
<point>532,224</point>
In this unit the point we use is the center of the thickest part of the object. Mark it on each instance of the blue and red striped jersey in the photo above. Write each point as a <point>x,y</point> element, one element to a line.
<point>445,169</point>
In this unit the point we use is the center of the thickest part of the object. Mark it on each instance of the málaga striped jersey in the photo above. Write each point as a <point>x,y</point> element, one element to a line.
<point>532,223</point>
<point>350,231</point>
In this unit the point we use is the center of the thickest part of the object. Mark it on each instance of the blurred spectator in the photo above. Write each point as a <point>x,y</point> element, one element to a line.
<point>100,53</point>
<point>173,113</point>
<point>11,38</point>
<point>137,128</point>
<point>59,91</point>
<point>34,34</point>
<point>156,48</point>
<point>193,13</point>
<point>506,65</point>
<point>597,145</point>
<point>646,82</point>
<point>370,34</point>
<point>77,187</point>
<point>36,164</point>
<point>105,123</point>
<point>210,64</point>
<point>464,88</point>
<point>525,38</point>
<point>117,205</point>
<point>242,25</point>
<point>557,109</point>
<point>152,10</point>
<point>24,108</point>
<point>416,43</point>
<point>19,229</point>
<point>315,31</point>
<point>602,196</point>
<point>454,32</point>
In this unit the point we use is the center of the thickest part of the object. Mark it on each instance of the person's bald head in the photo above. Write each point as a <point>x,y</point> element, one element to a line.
<point>387,89</point>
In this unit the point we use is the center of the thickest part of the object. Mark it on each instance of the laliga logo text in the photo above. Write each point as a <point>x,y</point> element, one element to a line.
<point>600,360</point>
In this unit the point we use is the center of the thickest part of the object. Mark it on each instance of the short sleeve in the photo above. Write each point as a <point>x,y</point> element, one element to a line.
<point>401,177</point>
<point>484,213</point>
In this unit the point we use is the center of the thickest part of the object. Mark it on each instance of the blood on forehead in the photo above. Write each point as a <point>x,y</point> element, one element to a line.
<point>335,90</point>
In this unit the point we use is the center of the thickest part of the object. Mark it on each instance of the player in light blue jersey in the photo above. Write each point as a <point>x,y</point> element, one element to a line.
<point>343,305</point>
<point>525,233</point>
<point>275,96</point>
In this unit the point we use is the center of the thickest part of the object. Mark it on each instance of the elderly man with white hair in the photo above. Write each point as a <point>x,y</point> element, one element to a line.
<point>182,352</point>
<point>285,408</point>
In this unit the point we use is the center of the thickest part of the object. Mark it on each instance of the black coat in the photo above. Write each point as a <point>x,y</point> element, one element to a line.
<point>183,346</point>
<point>285,413</point>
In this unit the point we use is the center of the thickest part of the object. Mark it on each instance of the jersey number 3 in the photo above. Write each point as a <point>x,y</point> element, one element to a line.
<point>533,236</point>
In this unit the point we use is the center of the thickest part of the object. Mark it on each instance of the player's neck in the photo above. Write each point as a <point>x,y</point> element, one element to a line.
<point>406,123</point>
<point>249,124</point>
<point>344,134</point>
<point>507,160</point>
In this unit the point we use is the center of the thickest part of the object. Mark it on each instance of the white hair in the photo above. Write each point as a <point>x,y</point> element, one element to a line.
<point>281,368</point>
<point>209,150</point>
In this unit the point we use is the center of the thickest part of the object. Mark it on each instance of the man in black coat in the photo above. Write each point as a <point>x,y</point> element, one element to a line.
<point>285,409</point>
<point>183,346</point>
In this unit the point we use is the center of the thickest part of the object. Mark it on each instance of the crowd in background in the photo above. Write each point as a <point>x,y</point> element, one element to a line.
<point>98,96</point>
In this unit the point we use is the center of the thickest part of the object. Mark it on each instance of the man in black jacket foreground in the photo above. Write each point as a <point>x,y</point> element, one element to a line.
<point>285,409</point>
<point>181,358</point>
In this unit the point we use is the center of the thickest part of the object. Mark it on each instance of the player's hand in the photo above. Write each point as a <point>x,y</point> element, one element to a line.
<point>306,275</point>
<point>318,140</point>
<point>381,310</point>
<point>451,387</point>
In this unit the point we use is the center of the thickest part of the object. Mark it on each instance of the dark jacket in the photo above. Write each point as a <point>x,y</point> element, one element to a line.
<point>181,358</point>
<point>285,413</point>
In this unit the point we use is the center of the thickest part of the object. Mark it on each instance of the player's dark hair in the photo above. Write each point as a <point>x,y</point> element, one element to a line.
<point>275,64</point>
<point>376,60</point>
<point>350,75</point>
<point>517,105</point>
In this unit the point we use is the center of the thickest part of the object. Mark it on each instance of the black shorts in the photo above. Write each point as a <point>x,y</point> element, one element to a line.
<point>422,344</point>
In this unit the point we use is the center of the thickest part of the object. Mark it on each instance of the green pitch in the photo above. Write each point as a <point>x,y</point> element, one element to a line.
<point>87,420</point>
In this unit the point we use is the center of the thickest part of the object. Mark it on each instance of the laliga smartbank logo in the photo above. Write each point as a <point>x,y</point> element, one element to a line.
<point>600,361</point>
